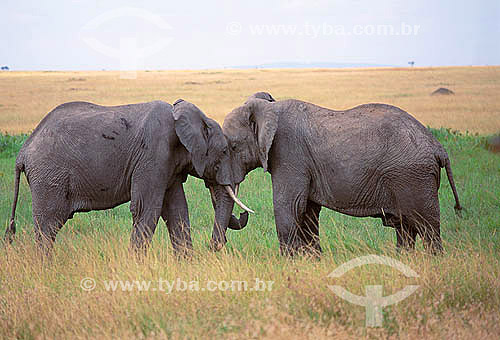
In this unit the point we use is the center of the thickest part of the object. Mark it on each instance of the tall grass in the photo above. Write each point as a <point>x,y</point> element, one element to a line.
<point>459,293</point>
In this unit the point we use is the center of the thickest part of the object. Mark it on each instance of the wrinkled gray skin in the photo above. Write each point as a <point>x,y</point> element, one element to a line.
<point>85,157</point>
<point>372,160</point>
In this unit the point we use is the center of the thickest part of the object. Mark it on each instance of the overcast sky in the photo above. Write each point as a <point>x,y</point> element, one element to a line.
<point>160,34</point>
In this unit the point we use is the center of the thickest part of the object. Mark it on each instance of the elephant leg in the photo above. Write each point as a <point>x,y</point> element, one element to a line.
<point>290,201</point>
<point>175,214</point>
<point>309,230</point>
<point>49,216</point>
<point>146,207</point>
<point>144,227</point>
<point>406,236</point>
<point>425,220</point>
<point>405,232</point>
<point>46,228</point>
<point>432,237</point>
<point>428,226</point>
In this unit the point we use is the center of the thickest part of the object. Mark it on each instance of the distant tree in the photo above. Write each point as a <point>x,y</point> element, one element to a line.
<point>411,63</point>
<point>5,68</point>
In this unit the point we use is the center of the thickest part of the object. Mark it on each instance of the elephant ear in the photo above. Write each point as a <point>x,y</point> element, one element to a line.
<point>264,122</point>
<point>191,128</point>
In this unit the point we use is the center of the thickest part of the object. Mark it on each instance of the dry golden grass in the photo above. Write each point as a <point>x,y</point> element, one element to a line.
<point>26,97</point>
<point>45,299</point>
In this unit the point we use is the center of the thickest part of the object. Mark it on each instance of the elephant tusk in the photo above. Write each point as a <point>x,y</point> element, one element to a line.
<point>236,189</point>
<point>236,200</point>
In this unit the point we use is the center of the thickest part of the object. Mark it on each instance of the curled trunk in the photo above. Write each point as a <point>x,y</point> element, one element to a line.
<point>238,223</point>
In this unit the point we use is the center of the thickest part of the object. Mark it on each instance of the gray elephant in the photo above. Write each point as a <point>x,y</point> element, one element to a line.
<point>84,157</point>
<point>372,160</point>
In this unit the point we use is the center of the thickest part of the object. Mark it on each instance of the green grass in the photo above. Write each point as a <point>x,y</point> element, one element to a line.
<point>10,145</point>
<point>459,289</point>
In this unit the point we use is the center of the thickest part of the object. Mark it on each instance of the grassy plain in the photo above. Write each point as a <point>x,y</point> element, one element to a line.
<point>26,97</point>
<point>459,293</point>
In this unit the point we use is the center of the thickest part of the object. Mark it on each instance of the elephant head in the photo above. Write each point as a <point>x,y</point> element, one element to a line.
<point>209,152</point>
<point>250,131</point>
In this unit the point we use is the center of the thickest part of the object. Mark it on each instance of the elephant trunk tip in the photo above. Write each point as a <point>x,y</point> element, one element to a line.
<point>238,223</point>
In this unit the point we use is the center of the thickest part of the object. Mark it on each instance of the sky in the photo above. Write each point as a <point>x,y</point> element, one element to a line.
<point>163,34</point>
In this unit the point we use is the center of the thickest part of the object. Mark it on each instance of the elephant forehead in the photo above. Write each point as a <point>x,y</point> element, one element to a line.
<point>218,141</point>
<point>234,132</point>
<point>238,118</point>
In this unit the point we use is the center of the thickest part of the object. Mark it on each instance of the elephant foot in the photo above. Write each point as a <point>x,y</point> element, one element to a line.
<point>307,252</point>
<point>234,224</point>
<point>183,252</point>
<point>312,251</point>
<point>216,246</point>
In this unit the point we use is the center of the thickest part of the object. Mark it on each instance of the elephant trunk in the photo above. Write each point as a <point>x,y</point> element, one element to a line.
<point>223,202</point>
<point>223,206</point>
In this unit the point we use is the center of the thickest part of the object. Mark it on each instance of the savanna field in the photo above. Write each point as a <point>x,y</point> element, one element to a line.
<point>459,291</point>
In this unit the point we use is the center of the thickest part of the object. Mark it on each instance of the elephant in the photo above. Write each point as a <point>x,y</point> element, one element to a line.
<point>373,160</point>
<point>84,157</point>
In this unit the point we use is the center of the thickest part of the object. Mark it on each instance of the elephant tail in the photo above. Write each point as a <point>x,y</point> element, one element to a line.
<point>11,229</point>
<point>445,162</point>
